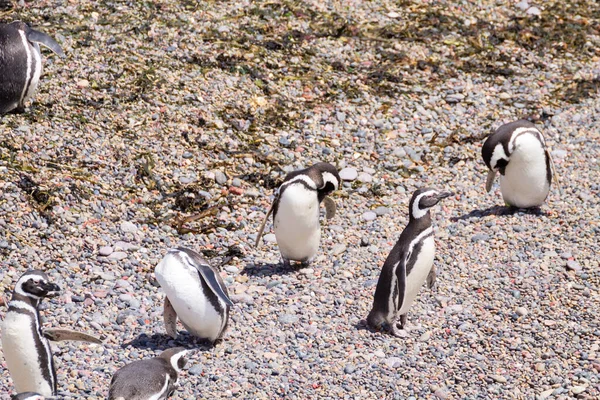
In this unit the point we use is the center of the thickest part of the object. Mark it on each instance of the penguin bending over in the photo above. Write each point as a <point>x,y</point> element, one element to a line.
<point>152,379</point>
<point>195,293</point>
<point>518,151</point>
<point>21,63</point>
<point>296,211</point>
<point>24,343</point>
<point>408,266</point>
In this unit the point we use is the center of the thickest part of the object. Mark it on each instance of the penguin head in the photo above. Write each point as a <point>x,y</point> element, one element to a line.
<point>494,154</point>
<point>36,284</point>
<point>425,198</point>
<point>330,178</point>
<point>376,319</point>
<point>175,357</point>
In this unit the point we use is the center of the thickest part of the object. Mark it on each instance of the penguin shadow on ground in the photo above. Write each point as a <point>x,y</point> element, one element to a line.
<point>269,269</point>
<point>160,341</point>
<point>500,211</point>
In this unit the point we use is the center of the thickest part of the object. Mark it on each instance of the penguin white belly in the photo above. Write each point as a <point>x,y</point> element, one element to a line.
<point>183,288</point>
<point>21,355</point>
<point>296,226</point>
<point>418,274</point>
<point>524,183</point>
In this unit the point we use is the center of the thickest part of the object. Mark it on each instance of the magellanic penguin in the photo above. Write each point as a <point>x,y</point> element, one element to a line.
<point>518,151</point>
<point>24,343</point>
<point>21,63</point>
<point>28,396</point>
<point>195,293</point>
<point>152,379</point>
<point>296,211</point>
<point>408,266</point>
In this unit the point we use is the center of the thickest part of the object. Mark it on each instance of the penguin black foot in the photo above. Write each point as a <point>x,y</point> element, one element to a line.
<point>286,263</point>
<point>18,110</point>
<point>305,264</point>
<point>431,278</point>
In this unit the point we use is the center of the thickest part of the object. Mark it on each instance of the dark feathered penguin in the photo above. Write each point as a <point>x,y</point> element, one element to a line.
<point>21,63</point>
<point>518,152</point>
<point>408,266</point>
<point>148,379</point>
<point>296,211</point>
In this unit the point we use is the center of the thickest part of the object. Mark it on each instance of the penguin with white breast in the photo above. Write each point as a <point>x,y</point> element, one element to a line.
<point>518,151</point>
<point>25,344</point>
<point>195,292</point>
<point>408,266</point>
<point>21,63</point>
<point>153,379</point>
<point>296,211</point>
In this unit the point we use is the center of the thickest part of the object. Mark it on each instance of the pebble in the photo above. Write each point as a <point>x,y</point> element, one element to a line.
<point>499,378</point>
<point>338,249</point>
<point>382,210</point>
<point>270,238</point>
<point>105,251</point>
<point>220,177</point>
<point>118,255</point>
<point>288,319</point>
<point>349,369</point>
<point>128,227</point>
<point>521,311</point>
<point>369,216</point>
<point>348,174</point>
<point>364,177</point>
<point>573,265</point>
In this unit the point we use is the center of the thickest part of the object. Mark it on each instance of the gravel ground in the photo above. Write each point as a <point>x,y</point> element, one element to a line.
<point>170,123</point>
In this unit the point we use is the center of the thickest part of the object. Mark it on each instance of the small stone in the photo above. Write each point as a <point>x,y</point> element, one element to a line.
<point>105,251</point>
<point>338,249</point>
<point>393,362</point>
<point>499,378</point>
<point>83,83</point>
<point>521,311</point>
<point>393,14</point>
<point>382,210</point>
<point>118,255</point>
<point>540,367</point>
<point>369,216</point>
<point>480,236</point>
<point>196,370</point>
<point>545,394</point>
<point>232,269</point>
<point>340,116</point>
<point>220,177</point>
<point>242,298</point>
<point>348,174</point>
<point>270,238</point>
<point>425,337</point>
<point>534,11</point>
<point>349,369</point>
<point>573,265</point>
<point>237,182</point>
<point>306,271</point>
<point>288,319</point>
<point>128,227</point>
<point>365,177</point>
<point>523,5</point>
<point>578,389</point>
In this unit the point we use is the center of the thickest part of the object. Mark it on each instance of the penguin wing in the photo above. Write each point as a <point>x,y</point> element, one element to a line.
<point>262,226</point>
<point>170,318</point>
<point>329,207</point>
<point>491,176</point>
<point>553,170</point>
<point>214,282</point>
<point>41,38</point>
<point>58,335</point>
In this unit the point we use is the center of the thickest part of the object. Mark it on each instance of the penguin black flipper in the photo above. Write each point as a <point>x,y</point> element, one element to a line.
<point>209,275</point>
<point>552,171</point>
<point>262,226</point>
<point>491,177</point>
<point>170,318</point>
<point>41,38</point>
<point>58,335</point>
<point>330,207</point>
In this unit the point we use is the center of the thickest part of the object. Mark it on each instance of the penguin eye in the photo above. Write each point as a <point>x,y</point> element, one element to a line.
<point>181,362</point>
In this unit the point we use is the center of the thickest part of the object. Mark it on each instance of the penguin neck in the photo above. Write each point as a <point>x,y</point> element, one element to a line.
<point>30,301</point>
<point>420,224</point>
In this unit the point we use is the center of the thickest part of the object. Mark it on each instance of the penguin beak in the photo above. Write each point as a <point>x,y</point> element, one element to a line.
<point>490,180</point>
<point>443,194</point>
<point>51,289</point>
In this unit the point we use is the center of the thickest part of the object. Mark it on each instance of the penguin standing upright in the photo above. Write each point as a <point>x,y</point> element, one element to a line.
<point>24,343</point>
<point>408,266</point>
<point>21,63</point>
<point>296,211</point>
<point>518,151</point>
<point>195,293</point>
<point>148,379</point>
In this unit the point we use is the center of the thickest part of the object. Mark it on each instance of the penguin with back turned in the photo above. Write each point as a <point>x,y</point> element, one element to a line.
<point>25,344</point>
<point>21,63</point>
<point>518,151</point>
<point>408,266</point>
<point>148,379</point>
<point>195,293</point>
<point>296,211</point>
